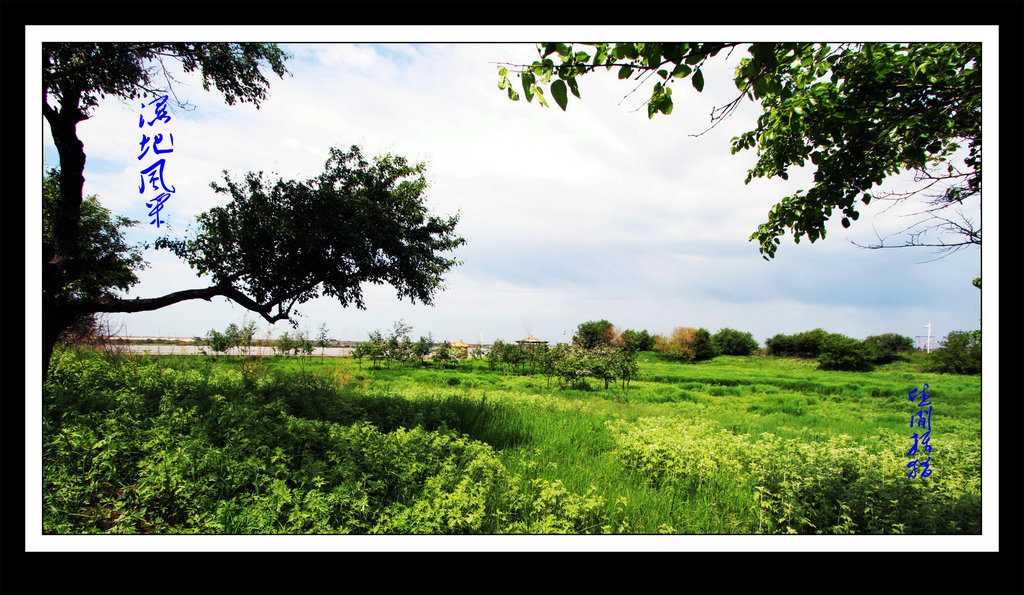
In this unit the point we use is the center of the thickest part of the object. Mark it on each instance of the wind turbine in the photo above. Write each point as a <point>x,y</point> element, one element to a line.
<point>929,344</point>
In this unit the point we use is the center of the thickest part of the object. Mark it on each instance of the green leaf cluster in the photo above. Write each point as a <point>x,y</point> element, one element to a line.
<point>886,348</point>
<point>233,336</point>
<point>636,340</point>
<point>668,60</point>
<point>859,113</point>
<point>835,351</point>
<point>109,263</point>
<point>396,346</point>
<point>570,364</point>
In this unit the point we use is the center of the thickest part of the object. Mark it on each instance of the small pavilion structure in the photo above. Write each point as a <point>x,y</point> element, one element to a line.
<point>462,347</point>
<point>531,342</point>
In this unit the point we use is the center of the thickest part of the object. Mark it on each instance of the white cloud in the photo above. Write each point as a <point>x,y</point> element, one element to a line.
<point>595,212</point>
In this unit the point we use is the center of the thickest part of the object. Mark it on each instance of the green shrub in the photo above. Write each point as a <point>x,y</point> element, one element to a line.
<point>594,333</point>
<point>636,340</point>
<point>732,342</point>
<point>960,354</point>
<point>842,486</point>
<point>780,344</point>
<point>685,395</point>
<point>678,346</point>
<point>808,343</point>
<point>133,447</point>
<point>839,352</point>
<point>721,391</point>
<point>805,344</point>
<point>885,348</point>
<point>680,451</point>
<point>703,346</point>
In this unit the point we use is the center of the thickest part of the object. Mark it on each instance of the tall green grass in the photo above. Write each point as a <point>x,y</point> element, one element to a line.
<point>302,445</point>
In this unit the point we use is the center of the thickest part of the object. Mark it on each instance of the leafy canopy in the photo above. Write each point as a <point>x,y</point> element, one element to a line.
<point>85,72</point>
<point>857,112</point>
<point>110,264</point>
<point>285,242</point>
<point>594,333</point>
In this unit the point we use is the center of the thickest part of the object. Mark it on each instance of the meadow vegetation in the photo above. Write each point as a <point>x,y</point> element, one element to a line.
<point>284,444</point>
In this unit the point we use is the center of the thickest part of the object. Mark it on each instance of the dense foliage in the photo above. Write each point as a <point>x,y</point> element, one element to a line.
<point>839,352</point>
<point>886,348</point>
<point>729,341</point>
<point>635,340</point>
<point>594,333</point>
<point>835,486</point>
<point>703,347</point>
<point>960,353</point>
<point>805,344</point>
<point>109,264</point>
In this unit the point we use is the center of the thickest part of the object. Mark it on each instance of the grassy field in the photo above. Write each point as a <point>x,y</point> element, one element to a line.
<point>734,445</point>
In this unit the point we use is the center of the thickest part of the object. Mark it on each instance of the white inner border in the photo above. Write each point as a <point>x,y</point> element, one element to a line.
<point>987,541</point>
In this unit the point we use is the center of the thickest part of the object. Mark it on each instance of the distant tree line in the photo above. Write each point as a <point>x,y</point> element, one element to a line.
<point>601,351</point>
<point>960,352</point>
<point>242,338</point>
<point>835,351</point>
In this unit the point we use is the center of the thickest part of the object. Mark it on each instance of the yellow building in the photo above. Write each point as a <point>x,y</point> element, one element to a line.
<point>463,349</point>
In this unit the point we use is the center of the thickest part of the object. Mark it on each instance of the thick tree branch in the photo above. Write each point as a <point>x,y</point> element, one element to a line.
<point>149,304</point>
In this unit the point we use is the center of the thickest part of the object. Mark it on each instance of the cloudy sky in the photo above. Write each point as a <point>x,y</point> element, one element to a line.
<point>595,212</point>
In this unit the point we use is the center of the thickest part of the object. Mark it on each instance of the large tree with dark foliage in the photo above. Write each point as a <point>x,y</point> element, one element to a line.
<point>277,243</point>
<point>75,77</point>
<point>594,333</point>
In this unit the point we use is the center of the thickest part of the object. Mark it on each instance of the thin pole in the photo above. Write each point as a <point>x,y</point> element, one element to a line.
<point>929,327</point>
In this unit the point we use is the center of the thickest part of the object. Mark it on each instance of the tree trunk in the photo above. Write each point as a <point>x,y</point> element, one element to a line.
<point>65,262</point>
<point>54,323</point>
<point>62,260</point>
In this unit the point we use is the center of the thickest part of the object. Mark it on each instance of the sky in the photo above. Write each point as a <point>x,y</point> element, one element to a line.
<point>593,213</point>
